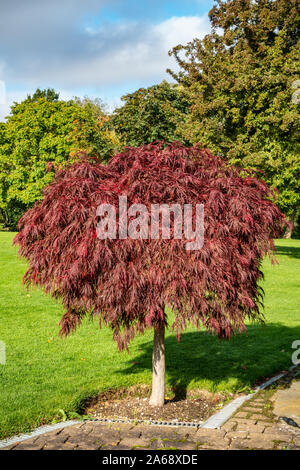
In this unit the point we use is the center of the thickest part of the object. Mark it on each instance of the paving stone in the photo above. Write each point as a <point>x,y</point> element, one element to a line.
<point>276,433</point>
<point>259,441</point>
<point>255,405</point>
<point>133,432</point>
<point>251,426</point>
<point>106,435</point>
<point>65,446</point>
<point>238,421</point>
<point>230,425</point>
<point>26,445</point>
<point>10,447</point>
<point>257,428</point>
<point>74,427</point>
<point>51,434</point>
<point>178,443</point>
<point>287,402</point>
<point>187,445</point>
<point>59,446</point>
<point>164,432</point>
<point>86,428</point>
<point>122,427</point>
<point>202,432</point>
<point>90,441</point>
<point>260,417</point>
<point>267,424</point>
<point>110,446</point>
<point>238,444</point>
<point>121,447</point>
<point>253,410</point>
<point>213,438</point>
<point>86,447</point>
<point>255,441</point>
<point>282,426</point>
<point>237,434</point>
<point>72,431</point>
<point>156,444</point>
<point>283,446</point>
<point>53,438</point>
<point>96,426</point>
<point>213,443</point>
<point>204,448</point>
<point>133,443</point>
<point>241,414</point>
<point>295,440</point>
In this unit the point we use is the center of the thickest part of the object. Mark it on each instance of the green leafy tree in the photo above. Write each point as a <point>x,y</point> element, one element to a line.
<point>240,80</point>
<point>49,94</point>
<point>150,114</point>
<point>93,131</point>
<point>41,133</point>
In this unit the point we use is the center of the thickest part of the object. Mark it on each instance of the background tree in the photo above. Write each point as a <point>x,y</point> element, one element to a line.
<point>43,131</point>
<point>49,94</point>
<point>240,81</point>
<point>93,131</point>
<point>151,114</point>
<point>127,283</point>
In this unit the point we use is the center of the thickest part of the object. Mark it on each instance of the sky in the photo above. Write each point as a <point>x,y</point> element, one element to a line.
<point>95,48</point>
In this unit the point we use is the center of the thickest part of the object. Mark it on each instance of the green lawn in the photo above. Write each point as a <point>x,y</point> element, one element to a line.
<point>44,373</point>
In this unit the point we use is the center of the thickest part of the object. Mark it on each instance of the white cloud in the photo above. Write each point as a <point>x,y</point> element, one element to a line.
<point>10,97</point>
<point>181,30</point>
<point>2,92</point>
<point>64,55</point>
<point>4,111</point>
<point>112,54</point>
<point>135,53</point>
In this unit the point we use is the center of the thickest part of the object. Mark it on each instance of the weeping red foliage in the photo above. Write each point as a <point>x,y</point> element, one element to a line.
<point>127,283</point>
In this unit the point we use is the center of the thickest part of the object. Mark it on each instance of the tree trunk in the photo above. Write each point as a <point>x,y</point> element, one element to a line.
<point>158,368</point>
<point>289,230</point>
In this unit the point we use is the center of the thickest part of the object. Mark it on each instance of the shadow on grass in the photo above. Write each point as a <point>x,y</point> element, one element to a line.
<point>203,361</point>
<point>291,251</point>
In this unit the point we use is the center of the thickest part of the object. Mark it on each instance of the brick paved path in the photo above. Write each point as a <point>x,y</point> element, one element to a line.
<point>252,427</point>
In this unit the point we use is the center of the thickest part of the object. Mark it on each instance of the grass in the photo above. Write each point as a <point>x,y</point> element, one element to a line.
<point>46,377</point>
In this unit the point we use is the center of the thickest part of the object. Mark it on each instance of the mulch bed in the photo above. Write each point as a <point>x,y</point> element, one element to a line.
<point>133,403</point>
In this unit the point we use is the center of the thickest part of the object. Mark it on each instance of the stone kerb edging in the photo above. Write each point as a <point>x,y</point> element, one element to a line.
<point>214,422</point>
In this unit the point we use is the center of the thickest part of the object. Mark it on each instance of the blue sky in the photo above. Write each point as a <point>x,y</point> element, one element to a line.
<point>97,48</point>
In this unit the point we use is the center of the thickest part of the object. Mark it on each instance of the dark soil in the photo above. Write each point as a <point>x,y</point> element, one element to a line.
<point>133,403</point>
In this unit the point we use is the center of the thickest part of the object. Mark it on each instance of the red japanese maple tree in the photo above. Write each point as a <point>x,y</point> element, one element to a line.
<point>127,283</point>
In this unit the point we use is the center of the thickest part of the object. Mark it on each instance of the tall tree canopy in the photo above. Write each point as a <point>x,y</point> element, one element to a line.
<point>127,282</point>
<point>42,131</point>
<point>49,94</point>
<point>240,80</point>
<point>151,114</point>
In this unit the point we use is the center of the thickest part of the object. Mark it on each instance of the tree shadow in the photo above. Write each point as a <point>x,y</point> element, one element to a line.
<point>291,251</point>
<point>200,360</point>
